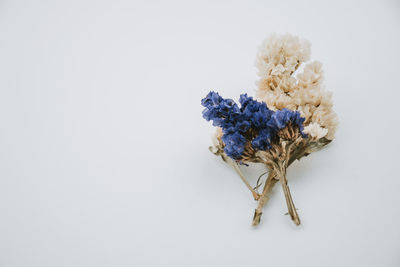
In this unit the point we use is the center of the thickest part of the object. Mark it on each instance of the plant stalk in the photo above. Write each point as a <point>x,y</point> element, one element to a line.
<point>281,174</point>
<point>264,197</point>
<point>239,172</point>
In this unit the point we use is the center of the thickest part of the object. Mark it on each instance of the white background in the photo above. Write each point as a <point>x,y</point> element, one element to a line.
<point>103,150</point>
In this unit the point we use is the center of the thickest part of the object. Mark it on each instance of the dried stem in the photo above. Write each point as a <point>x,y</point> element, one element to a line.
<point>269,184</point>
<point>239,172</point>
<point>290,153</point>
<point>281,174</point>
<point>277,171</point>
<point>218,151</point>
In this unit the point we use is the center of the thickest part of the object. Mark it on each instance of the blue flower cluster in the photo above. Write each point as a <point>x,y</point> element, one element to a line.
<point>253,122</point>
<point>281,118</point>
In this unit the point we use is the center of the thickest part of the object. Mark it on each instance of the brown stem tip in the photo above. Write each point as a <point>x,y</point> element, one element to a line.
<point>256,218</point>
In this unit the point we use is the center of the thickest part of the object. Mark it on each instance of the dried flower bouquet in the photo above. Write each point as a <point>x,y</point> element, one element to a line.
<point>291,117</point>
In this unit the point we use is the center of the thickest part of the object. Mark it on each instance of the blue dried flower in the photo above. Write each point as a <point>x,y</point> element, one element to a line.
<point>256,112</point>
<point>219,110</point>
<point>253,122</point>
<point>242,126</point>
<point>263,140</point>
<point>212,99</point>
<point>281,118</point>
<point>234,144</point>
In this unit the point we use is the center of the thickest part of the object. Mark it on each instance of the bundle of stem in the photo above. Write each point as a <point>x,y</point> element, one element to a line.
<point>277,161</point>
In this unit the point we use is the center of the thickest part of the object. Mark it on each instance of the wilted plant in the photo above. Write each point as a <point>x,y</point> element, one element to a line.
<point>291,118</point>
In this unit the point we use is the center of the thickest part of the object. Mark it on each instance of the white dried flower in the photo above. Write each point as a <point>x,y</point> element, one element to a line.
<point>277,60</point>
<point>311,75</point>
<point>315,131</point>
<point>286,50</point>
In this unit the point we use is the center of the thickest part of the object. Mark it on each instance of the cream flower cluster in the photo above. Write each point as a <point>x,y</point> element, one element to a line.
<point>315,130</point>
<point>282,85</point>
